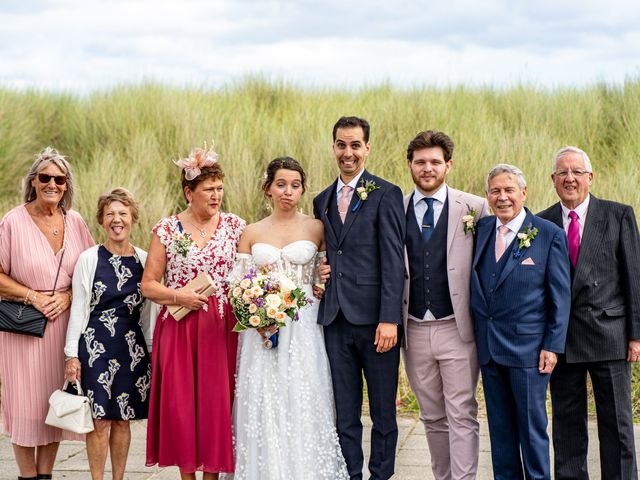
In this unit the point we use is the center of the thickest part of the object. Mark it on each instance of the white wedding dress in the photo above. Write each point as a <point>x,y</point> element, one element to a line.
<point>284,415</point>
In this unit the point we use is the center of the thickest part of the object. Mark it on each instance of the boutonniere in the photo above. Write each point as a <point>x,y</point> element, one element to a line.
<point>363,191</point>
<point>182,243</point>
<point>525,237</point>
<point>469,220</point>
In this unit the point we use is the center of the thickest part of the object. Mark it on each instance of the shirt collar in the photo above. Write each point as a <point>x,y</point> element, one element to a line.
<point>581,209</point>
<point>353,183</point>
<point>440,195</point>
<point>515,224</point>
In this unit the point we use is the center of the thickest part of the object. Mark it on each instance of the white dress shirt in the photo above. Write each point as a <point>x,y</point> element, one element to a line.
<point>514,226</point>
<point>353,184</point>
<point>420,207</point>
<point>581,210</point>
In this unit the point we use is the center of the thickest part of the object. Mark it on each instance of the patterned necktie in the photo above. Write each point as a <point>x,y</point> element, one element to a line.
<point>343,203</point>
<point>427,220</point>
<point>501,241</point>
<point>573,235</point>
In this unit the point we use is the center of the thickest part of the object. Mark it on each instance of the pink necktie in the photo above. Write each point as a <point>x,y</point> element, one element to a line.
<point>573,235</point>
<point>343,203</point>
<point>501,241</point>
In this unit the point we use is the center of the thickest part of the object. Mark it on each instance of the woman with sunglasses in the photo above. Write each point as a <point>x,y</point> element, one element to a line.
<point>35,238</point>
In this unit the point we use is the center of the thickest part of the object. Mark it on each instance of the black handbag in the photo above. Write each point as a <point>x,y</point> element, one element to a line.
<point>17,317</point>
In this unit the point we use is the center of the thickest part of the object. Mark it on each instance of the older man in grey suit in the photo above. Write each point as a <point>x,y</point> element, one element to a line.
<point>604,327</point>
<point>440,352</point>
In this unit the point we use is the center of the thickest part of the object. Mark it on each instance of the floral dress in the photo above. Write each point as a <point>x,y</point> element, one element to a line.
<point>194,359</point>
<point>116,371</point>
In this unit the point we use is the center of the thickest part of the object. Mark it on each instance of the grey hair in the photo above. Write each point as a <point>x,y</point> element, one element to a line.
<point>511,170</point>
<point>569,149</point>
<point>46,156</point>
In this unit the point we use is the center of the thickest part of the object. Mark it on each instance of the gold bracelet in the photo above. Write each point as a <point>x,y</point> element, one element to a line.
<point>34,298</point>
<point>175,297</point>
<point>26,297</point>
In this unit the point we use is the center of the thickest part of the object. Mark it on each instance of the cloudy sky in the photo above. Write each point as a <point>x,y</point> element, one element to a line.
<point>82,45</point>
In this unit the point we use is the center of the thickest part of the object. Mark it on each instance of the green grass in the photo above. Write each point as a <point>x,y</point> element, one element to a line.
<point>128,136</point>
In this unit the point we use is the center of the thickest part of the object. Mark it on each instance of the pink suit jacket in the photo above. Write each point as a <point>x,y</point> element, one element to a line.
<point>459,259</point>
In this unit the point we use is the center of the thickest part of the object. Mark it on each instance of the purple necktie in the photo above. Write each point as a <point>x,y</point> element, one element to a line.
<point>573,235</point>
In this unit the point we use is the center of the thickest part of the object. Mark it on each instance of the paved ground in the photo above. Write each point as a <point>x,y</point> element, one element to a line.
<point>412,463</point>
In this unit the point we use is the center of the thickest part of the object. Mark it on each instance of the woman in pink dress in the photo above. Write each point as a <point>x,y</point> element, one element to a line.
<point>193,359</point>
<point>33,238</point>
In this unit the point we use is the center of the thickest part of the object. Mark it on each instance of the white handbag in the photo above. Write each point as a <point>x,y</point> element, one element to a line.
<point>70,412</point>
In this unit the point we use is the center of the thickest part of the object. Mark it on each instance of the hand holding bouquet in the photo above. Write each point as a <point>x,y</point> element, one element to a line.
<point>262,298</point>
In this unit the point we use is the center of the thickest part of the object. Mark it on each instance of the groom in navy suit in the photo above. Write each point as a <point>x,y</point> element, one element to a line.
<point>364,225</point>
<point>520,298</point>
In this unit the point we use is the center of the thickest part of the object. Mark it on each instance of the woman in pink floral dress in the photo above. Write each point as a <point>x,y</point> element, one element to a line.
<point>193,359</point>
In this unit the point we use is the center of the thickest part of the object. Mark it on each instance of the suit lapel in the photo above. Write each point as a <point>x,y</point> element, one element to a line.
<point>456,211</point>
<point>351,215</point>
<point>406,200</point>
<point>556,215</point>
<point>483,237</point>
<point>324,210</point>
<point>511,261</point>
<point>590,244</point>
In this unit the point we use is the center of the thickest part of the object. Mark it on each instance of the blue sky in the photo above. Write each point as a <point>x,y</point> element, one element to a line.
<point>85,45</point>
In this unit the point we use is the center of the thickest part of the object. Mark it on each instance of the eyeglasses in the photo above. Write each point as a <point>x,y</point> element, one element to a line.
<point>575,173</point>
<point>59,179</point>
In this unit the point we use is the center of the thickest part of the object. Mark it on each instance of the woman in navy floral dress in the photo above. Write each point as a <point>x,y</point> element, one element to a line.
<point>106,346</point>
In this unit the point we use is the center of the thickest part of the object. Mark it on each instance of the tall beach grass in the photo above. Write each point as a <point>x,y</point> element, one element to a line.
<point>128,136</point>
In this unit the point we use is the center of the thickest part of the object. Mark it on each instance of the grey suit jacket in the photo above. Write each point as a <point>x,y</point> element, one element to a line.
<point>605,290</point>
<point>459,259</point>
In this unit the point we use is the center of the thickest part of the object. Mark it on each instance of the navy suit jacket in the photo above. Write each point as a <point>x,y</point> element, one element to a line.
<point>529,307</point>
<point>366,256</point>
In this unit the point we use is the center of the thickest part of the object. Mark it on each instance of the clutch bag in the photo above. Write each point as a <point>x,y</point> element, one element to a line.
<point>202,284</point>
<point>16,317</point>
<point>70,412</point>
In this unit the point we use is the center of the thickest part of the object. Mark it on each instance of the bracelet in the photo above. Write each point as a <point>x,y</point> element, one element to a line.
<point>175,297</point>
<point>66,359</point>
<point>34,298</point>
<point>26,297</point>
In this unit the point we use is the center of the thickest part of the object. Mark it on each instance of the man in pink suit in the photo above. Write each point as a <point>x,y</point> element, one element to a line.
<point>440,351</point>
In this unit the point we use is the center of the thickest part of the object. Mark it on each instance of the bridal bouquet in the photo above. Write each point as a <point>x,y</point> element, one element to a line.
<point>262,297</point>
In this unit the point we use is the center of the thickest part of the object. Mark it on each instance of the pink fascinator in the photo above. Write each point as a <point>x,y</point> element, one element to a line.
<point>198,159</point>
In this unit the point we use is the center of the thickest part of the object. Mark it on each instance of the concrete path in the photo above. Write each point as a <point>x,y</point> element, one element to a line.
<point>413,461</point>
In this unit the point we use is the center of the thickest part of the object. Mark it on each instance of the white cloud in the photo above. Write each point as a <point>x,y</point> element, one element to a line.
<point>82,45</point>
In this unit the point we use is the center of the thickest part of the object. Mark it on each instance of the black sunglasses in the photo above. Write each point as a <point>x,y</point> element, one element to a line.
<point>59,179</point>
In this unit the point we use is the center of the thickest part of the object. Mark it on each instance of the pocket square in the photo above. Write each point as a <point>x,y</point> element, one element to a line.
<point>528,261</point>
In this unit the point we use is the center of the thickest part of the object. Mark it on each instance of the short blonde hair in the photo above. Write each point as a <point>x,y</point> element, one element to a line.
<point>46,156</point>
<point>121,195</point>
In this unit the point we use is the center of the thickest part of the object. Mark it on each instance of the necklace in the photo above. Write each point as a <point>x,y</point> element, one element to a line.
<point>203,231</point>
<point>53,228</point>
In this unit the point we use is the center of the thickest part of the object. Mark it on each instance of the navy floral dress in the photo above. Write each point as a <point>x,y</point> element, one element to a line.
<point>116,372</point>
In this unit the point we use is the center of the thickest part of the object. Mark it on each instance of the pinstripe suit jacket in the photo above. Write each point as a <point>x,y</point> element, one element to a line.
<point>605,290</point>
<point>529,307</point>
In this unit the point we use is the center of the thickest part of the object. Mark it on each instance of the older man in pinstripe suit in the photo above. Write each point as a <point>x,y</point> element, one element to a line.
<point>520,298</point>
<point>604,325</point>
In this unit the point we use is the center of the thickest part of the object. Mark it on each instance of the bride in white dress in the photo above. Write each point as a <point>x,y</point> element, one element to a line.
<point>284,418</point>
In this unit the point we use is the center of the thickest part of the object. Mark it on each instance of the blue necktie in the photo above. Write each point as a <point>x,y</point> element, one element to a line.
<point>427,220</point>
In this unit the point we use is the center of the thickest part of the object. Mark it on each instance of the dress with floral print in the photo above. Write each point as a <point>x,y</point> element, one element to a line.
<point>216,257</point>
<point>116,368</point>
